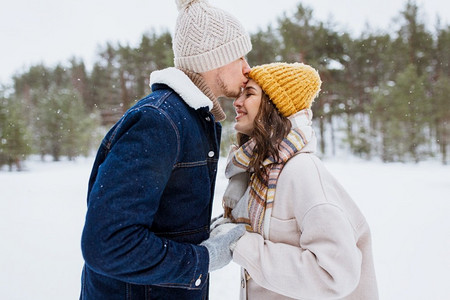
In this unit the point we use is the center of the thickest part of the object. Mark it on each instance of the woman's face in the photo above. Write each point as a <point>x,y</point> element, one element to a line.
<point>247,107</point>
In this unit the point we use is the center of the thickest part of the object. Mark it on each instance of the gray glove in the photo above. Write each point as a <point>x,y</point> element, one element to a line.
<point>219,244</point>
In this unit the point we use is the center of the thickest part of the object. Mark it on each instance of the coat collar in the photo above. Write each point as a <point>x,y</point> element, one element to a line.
<point>182,85</point>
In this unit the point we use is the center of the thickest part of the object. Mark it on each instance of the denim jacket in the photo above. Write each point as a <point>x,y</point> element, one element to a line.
<point>150,197</point>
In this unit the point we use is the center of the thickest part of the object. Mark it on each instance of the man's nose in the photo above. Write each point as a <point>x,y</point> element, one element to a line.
<point>246,67</point>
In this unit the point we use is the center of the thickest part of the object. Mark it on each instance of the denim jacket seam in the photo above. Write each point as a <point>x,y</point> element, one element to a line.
<point>184,232</point>
<point>191,164</point>
<point>114,133</point>
<point>170,284</point>
<point>175,128</point>
<point>196,266</point>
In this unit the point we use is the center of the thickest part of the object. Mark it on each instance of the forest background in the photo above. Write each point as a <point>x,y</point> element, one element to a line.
<point>385,95</point>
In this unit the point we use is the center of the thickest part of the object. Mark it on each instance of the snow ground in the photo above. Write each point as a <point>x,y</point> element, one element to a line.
<point>406,205</point>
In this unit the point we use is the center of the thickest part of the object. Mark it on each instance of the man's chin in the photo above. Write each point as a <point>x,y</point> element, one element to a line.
<point>233,94</point>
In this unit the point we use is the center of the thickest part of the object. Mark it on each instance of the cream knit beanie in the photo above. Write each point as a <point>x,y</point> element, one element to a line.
<point>207,37</point>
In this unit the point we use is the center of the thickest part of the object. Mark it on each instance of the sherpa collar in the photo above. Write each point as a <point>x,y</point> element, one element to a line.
<point>182,85</point>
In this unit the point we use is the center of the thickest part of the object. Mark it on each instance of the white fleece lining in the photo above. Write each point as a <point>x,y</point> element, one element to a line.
<point>182,85</point>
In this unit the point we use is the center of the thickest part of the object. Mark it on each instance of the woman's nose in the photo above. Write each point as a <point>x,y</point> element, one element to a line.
<point>237,102</point>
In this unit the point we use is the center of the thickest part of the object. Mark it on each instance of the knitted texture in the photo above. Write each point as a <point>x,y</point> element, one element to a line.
<point>291,87</point>
<point>207,37</point>
<point>220,243</point>
<point>197,79</point>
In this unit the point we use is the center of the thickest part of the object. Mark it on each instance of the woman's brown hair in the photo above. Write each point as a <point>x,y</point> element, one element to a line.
<point>269,129</point>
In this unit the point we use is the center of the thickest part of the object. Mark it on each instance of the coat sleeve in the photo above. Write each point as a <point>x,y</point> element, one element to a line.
<point>117,240</point>
<point>326,265</point>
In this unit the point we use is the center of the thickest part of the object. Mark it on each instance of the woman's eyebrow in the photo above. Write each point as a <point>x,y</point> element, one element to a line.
<point>250,87</point>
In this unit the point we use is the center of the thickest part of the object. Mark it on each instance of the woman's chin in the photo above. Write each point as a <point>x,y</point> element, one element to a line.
<point>241,129</point>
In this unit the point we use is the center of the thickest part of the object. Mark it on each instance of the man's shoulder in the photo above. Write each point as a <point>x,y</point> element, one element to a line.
<point>163,99</point>
<point>165,104</point>
<point>157,97</point>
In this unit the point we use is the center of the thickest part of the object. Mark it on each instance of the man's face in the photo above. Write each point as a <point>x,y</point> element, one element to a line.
<point>231,78</point>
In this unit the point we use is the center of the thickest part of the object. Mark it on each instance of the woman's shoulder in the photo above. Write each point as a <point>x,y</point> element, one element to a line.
<point>305,177</point>
<point>300,177</point>
<point>302,163</point>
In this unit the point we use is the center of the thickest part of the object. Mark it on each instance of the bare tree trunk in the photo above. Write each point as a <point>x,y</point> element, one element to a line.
<point>124,92</point>
<point>322,134</point>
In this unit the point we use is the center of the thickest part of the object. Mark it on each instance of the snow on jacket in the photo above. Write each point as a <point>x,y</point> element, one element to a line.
<point>319,243</point>
<point>150,197</point>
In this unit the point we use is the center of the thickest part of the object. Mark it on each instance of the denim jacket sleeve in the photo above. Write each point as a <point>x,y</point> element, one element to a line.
<point>124,195</point>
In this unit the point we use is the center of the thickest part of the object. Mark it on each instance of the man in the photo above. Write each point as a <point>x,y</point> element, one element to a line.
<point>151,188</point>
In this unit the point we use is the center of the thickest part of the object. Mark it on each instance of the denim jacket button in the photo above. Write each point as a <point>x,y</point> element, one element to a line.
<point>208,119</point>
<point>198,282</point>
<point>211,153</point>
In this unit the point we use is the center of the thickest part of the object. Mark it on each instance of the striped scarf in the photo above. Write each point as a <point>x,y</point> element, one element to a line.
<point>262,193</point>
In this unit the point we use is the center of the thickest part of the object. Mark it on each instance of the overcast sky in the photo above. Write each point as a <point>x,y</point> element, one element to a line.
<point>53,31</point>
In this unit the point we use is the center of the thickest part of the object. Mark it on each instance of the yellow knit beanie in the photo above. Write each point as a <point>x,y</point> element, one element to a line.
<point>291,87</point>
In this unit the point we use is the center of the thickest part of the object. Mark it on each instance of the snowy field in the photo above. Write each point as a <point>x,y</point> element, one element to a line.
<point>407,207</point>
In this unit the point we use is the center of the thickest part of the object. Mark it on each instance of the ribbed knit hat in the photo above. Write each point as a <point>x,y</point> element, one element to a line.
<point>291,87</point>
<point>207,37</point>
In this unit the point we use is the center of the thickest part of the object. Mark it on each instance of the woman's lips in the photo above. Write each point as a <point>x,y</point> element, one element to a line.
<point>239,114</point>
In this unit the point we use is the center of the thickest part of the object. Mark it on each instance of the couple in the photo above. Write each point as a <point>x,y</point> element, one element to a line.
<point>287,222</point>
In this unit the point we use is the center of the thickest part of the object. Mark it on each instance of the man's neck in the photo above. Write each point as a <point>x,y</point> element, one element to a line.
<point>203,86</point>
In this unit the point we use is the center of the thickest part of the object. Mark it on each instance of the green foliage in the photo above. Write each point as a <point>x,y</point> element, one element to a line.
<point>358,137</point>
<point>402,112</point>
<point>121,75</point>
<point>265,47</point>
<point>414,43</point>
<point>62,126</point>
<point>14,135</point>
<point>441,114</point>
<point>442,53</point>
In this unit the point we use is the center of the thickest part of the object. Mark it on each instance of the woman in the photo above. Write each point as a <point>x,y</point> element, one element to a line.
<point>306,238</point>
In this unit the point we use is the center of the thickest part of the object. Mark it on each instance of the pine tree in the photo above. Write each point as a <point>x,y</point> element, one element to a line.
<point>403,108</point>
<point>266,47</point>
<point>414,43</point>
<point>442,53</point>
<point>63,127</point>
<point>441,115</point>
<point>14,135</point>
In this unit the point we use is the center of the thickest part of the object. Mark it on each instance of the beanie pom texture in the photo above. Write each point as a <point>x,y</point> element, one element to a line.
<point>291,87</point>
<point>183,4</point>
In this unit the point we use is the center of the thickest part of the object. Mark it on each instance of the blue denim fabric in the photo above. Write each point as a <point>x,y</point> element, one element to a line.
<point>149,203</point>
